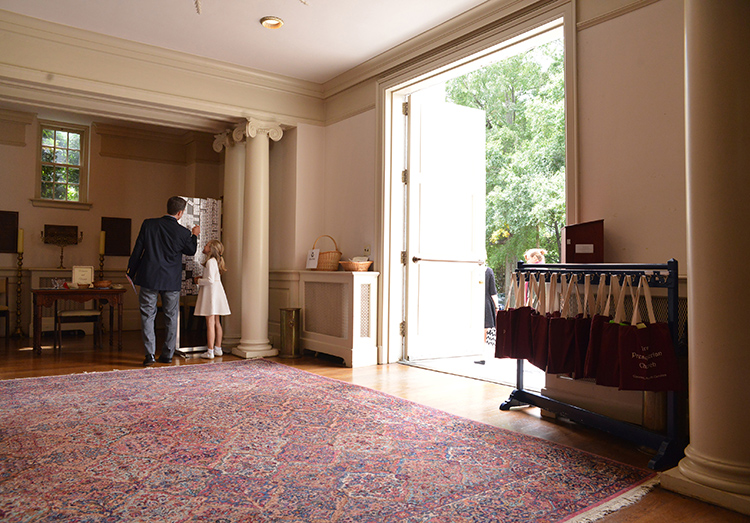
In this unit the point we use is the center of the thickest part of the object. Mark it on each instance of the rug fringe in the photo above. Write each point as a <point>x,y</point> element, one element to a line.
<point>630,497</point>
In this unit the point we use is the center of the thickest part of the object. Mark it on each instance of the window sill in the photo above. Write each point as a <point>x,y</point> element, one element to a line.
<point>76,206</point>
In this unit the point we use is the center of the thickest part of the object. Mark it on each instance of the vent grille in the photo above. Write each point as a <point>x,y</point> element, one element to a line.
<point>327,308</point>
<point>364,315</point>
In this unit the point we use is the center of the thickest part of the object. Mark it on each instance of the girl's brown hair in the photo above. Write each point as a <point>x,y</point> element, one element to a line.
<point>216,250</point>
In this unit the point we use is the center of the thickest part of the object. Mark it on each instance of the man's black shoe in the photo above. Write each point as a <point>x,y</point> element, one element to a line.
<point>165,359</point>
<point>148,361</point>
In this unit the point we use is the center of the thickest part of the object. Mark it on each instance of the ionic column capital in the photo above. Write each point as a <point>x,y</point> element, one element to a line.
<point>222,140</point>
<point>253,126</point>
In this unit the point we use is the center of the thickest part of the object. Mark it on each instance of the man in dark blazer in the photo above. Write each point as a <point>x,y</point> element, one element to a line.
<point>156,265</point>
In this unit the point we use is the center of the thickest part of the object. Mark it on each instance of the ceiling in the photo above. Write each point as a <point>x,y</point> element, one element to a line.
<point>320,39</point>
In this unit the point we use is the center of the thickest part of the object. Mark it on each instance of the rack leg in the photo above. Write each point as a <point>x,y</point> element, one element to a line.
<point>512,401</point>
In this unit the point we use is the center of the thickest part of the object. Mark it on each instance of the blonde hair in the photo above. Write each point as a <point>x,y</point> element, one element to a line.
<point>216,251</point>
<point>534,255</point>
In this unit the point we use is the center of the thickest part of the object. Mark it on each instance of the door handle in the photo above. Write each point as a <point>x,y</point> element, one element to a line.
<point>417,259</point>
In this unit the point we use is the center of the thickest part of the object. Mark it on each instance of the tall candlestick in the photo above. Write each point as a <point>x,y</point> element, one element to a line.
<point>19,293</point>
<point>102,236</point>
<point>20,241</point>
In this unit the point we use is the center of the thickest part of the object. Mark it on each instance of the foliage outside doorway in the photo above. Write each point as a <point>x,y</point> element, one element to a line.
<point>523,97</point>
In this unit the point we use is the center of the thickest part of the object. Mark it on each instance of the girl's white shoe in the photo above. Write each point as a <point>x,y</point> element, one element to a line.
<point>218,352</point>
<point>208,355</point>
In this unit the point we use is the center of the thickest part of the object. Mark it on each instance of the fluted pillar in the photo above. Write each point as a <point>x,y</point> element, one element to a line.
<point>254,342</point>
<point>234,183</point>
<point>716,466</point>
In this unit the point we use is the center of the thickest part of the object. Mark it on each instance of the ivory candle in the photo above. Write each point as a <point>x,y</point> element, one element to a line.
<point>20,241</point>
<point>102,236</point>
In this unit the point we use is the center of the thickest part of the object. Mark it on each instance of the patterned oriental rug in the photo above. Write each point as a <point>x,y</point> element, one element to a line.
<point>260,441</point>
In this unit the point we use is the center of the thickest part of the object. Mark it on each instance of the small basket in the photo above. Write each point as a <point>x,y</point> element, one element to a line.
<point>353,266</point>
<point>328,260</point>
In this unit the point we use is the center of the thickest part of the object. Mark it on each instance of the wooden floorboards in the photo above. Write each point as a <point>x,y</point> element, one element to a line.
<point>470,398</point>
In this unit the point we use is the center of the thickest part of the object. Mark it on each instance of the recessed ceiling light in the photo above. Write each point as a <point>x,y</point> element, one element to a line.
<point>271,22</point>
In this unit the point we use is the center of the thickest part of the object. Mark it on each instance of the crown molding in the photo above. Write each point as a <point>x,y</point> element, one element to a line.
<point>207,95</point>
<point>180,137</point>
<point>167,58</point>
<point>484,18</point>
<point>7,115</point>
<point>155,145</point>
<point>37,95</point>
<point>13,127</point>
<point>613,13</point>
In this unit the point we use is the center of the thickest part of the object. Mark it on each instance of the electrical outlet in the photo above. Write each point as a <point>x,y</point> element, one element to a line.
<point>367,250</point>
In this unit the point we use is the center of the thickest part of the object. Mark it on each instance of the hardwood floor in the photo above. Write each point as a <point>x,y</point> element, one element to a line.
<point>470,398</point>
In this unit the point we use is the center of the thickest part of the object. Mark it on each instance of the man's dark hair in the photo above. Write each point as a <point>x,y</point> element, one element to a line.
<point>175,205</point>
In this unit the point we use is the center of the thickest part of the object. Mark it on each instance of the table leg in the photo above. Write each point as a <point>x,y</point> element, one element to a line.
<point>37,326</point>
<point>111,322</point>
<point>119,324</point>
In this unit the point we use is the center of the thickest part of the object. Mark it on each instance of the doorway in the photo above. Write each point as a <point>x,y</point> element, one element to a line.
<point>460,191</point>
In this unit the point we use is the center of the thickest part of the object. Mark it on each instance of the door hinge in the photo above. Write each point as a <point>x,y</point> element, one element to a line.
<point>403,257</point>
<point>405,108</point>
<point>402,329</point>
<point>405,176</point>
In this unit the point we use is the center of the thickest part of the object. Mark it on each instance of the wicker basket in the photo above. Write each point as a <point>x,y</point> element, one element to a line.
<point>355,266</point>
<point>328,260</point>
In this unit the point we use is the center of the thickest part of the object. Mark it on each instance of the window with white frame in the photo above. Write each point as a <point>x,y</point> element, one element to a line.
<point>63,171</point>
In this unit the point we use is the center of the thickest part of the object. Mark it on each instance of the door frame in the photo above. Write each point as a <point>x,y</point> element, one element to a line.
<point>393,88</point>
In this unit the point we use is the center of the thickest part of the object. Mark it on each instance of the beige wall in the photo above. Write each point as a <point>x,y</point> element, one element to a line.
<point>324,181</point>
<point>352,184</point>
<point>632,133</point>
<point>282,189</point>
<point>125,186</point>
<point>312,198</point>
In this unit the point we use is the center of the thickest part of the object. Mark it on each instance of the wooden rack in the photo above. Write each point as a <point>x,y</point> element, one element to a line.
<point>669,445</point>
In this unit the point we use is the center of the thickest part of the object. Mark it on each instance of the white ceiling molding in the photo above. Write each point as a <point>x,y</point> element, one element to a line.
<point>481,20</point>
<point>135,82</point>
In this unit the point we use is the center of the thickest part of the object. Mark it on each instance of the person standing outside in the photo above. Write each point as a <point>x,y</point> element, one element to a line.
<point>491,304</point>
<point>156,266</point>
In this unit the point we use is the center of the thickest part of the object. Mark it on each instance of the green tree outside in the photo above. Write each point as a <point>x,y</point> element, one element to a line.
<point>523,98</point>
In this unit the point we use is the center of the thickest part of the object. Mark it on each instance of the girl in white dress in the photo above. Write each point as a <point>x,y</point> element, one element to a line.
<point>212,300</point>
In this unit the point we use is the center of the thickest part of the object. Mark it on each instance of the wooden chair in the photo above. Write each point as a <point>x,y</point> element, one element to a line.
<point>78,316</point>
<point>4,309</point>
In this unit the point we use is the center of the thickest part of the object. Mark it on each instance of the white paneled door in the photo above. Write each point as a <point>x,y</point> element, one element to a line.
<point>445,228</point>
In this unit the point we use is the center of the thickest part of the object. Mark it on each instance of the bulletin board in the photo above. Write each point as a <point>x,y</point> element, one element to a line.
<point>205,212</point>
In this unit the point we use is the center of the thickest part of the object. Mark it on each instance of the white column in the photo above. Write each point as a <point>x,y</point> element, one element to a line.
<point>255,342</point>
<point>234,183</point>
<point>716,466</point>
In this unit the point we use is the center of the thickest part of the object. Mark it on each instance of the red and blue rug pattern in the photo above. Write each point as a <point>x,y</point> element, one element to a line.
<point>260,441</point>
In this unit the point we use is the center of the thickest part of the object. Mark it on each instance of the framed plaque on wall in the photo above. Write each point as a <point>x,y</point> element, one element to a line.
<point>8,231</point>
